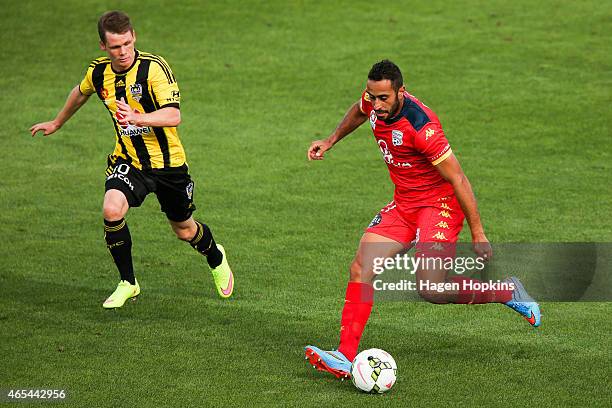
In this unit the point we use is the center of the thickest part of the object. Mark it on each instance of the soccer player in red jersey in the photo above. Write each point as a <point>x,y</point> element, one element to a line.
<point>431,200</point>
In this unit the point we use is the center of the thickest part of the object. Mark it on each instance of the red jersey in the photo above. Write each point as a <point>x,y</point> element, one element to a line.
<point>412,143</point>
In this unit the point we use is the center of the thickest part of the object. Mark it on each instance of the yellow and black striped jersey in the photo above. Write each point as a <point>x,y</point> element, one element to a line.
<point>148,85</point>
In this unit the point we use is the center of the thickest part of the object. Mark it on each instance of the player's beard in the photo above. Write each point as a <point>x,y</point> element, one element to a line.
<point>396,106</point>
<point>394,109</point>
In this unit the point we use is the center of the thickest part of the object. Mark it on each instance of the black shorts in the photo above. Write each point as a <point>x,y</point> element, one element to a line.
<point>173,187</point>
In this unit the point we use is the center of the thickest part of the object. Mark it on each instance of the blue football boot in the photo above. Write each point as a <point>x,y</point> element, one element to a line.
<point>331,361</point>
<point>524,304</point>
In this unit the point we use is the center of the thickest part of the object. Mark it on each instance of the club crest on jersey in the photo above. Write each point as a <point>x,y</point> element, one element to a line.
<point>136,91</point>
<point>397,137</point>
<point>373,119</point>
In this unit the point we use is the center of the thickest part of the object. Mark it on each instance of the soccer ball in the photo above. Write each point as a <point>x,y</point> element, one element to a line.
<point>374,371</point>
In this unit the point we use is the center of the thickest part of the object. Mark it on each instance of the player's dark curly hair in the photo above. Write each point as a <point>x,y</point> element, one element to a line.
<point>386,69</point>
<point>116,22</point>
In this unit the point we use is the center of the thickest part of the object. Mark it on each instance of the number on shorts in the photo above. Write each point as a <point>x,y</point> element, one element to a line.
<point>122,169</point>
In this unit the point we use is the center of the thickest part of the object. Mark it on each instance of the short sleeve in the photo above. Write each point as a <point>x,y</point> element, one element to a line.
<point>164,85</point>
<point>432,143</point>
<point>365,104</point>
<point>86,87</point>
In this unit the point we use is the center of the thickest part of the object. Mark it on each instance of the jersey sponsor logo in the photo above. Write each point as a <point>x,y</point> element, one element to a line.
<point>397,137</point>
<point>429,133</point>
<point>132,130</point>
<point>386,153</point>
<point>373,119</point>
<point>136,91</point>
<point>388,156</point>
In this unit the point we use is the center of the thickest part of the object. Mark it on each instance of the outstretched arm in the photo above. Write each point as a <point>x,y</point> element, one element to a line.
<point>75,100</point>
<point>451,170</point>
<point>352,120</point>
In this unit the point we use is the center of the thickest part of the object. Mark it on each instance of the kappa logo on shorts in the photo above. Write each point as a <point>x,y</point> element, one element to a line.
<point>445,214</point>
<point>397,137</point>
<point>442,224</point>
<point>189,190</point>
<point>440,235</point>
<point>376,220</point>
<point>437,246</point>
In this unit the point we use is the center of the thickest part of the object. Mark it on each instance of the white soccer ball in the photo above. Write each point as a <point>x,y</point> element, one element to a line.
<point>374,371</point>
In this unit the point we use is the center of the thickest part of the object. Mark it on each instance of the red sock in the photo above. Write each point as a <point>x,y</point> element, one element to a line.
<point>357,308</point>
<point>471,296</point>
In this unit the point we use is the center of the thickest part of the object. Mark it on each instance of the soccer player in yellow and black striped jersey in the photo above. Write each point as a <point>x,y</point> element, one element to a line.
<point>142,97</point>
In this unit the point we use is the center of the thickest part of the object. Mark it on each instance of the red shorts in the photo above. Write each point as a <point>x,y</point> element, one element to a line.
<point>439,223</point>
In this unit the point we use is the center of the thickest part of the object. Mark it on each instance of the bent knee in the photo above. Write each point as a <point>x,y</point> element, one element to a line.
<point>184,231</point>
<point>184,234</point>
<point>113,212</point>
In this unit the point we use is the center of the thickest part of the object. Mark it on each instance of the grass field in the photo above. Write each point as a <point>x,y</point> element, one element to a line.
<point>523,92</point>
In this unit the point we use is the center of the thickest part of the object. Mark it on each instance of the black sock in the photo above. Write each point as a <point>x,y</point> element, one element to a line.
<point>119,243</point>
<point>204,243</point>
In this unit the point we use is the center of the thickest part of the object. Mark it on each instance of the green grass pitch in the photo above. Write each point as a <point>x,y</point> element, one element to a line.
<point>522,89</point>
